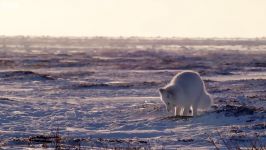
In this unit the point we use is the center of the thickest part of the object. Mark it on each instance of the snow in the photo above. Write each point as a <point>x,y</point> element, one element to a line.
<point>106,101</point>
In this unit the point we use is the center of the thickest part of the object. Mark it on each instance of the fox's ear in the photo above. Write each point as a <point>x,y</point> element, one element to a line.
<point>161,90</point>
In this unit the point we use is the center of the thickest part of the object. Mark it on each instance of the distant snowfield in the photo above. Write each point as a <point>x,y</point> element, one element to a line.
<point>107,103</point>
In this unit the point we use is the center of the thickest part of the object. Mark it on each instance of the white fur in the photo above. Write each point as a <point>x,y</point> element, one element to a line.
<point>185,94</point>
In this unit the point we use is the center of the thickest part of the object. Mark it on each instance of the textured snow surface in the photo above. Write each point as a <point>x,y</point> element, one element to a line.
<point>110,99</point>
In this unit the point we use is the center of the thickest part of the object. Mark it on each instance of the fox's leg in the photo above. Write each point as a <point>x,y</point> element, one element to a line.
<point>195,110</point>
<point>187,111</point>
<point>178,111</point>
<point>195,107</point>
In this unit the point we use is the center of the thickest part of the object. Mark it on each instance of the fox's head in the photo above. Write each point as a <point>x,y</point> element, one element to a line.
<point>167,96</point>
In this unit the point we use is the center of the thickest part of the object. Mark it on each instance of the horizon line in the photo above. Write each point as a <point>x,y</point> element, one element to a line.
<point>127,37</point>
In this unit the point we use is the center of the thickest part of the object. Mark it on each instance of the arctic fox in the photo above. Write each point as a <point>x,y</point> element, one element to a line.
<point>185,94</point>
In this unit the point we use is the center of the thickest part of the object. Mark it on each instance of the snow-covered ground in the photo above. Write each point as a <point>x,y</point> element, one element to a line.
<point>110,99</point>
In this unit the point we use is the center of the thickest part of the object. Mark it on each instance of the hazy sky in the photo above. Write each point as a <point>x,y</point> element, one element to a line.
<point>181,18</point>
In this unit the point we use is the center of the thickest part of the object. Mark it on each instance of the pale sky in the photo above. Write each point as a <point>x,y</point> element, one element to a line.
<point>179,18</point>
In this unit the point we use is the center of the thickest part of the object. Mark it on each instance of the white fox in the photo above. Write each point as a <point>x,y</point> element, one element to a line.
<point>185,94</point>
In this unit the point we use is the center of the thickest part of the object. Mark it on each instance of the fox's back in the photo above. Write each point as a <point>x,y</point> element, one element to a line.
<point>189,81</point>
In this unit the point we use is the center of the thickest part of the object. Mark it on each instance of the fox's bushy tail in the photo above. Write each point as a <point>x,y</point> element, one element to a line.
<point>205,101</point>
